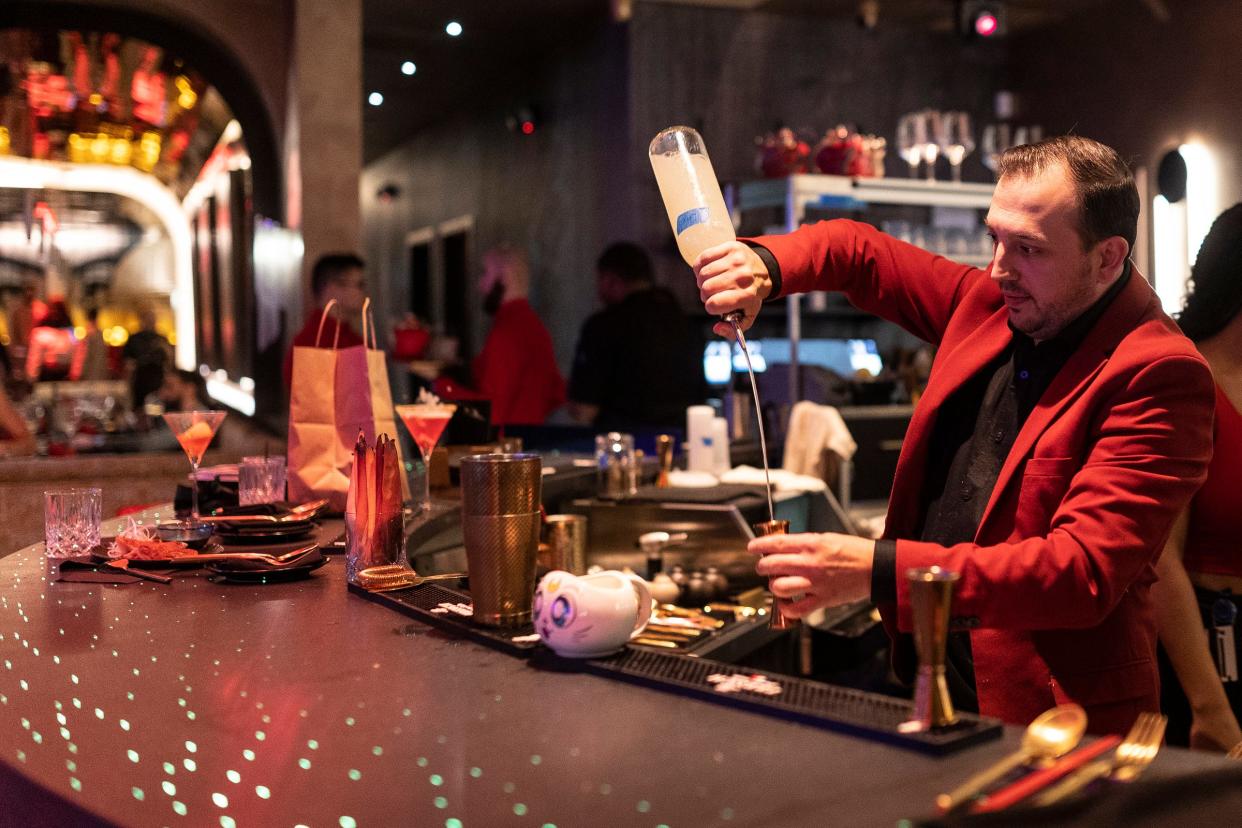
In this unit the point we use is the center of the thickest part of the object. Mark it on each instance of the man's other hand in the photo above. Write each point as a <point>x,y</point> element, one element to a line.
<point>816,570</point>
<point>732,277</point>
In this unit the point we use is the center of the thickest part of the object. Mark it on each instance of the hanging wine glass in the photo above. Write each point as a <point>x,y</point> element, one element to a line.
<point>907,144</point>
<point>927,125</point>
<point>958,141</point>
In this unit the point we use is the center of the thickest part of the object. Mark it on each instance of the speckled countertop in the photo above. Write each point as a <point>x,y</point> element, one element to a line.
<point>207,704</point>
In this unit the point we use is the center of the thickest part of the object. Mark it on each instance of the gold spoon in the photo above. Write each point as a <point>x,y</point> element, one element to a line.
<point>1054,733</point>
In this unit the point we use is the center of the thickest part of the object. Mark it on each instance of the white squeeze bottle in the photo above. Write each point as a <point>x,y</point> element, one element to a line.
<point>696,209</point>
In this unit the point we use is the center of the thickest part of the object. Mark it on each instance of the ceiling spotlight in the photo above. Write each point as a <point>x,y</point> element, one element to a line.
<point>375,99</point>
<point>408,68</point>
<point>453,28</point>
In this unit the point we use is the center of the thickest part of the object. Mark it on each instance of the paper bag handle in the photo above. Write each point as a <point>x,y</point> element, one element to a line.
<point>368,315</point>
<point>335,339</point>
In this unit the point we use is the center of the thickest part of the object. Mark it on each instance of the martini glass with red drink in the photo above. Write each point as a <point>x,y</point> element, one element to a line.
<point>194,430</point>
<point>426,422</point>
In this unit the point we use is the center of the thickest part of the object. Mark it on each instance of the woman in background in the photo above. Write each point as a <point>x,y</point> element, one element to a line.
<point>1200,571</point>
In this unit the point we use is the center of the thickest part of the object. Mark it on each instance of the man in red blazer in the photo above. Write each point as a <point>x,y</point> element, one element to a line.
<point>1065,424</point>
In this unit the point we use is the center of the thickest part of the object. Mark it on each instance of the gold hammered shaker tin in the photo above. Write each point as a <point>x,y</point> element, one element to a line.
<point>500,496</point>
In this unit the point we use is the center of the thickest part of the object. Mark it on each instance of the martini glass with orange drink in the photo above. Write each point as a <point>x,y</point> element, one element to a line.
<point>426,422</point>
<point>194,430</point>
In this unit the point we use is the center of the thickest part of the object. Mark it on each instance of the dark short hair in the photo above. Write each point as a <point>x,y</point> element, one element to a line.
<point>627,261</point>
<point>332,266</point>
<point>1108,200</point>
<point>1215,296</point>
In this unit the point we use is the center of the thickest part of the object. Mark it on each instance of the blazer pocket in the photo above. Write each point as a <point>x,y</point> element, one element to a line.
<point>1050,467</point>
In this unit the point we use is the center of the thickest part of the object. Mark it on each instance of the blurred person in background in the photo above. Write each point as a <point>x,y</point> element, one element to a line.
<point>147,356</point>
<point>15,437</point>
<point>21,312</point>
<point>90,360</point>
<point>1200,571</point>
<point>183,391</point>
<point>516,370</point>
<point>339,277</point>
<point>50,355</point>
<point>638,361</point>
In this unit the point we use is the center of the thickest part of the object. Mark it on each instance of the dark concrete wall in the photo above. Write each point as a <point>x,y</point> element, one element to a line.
<point>557,192</point>
<point>1144,86</point>
<point>584,179</point>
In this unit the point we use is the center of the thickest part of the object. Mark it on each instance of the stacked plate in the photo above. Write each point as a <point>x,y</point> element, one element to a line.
<point>258,532</point>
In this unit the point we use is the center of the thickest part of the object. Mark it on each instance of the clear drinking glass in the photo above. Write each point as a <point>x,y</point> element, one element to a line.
<point>614,461</point>
<point>261,480</point>
<point>70,523</point>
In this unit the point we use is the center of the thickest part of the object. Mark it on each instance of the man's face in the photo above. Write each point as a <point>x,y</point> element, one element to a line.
<point>350,291</point>
<point>1039,262</point>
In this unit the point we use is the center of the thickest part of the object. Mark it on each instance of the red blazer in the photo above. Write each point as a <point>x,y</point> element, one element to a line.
<point>1055,587</point>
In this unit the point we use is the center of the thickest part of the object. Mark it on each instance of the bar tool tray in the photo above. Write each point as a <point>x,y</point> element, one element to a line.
<point>419,601</point>
<point>843,709</point>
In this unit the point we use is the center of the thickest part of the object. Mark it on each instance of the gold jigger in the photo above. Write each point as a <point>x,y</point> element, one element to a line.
<point>763,529</point>
<point>931,591</point>
<point>664,452</point>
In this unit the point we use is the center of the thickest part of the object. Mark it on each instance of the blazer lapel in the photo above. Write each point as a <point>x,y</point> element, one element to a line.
<point>1074,377</point>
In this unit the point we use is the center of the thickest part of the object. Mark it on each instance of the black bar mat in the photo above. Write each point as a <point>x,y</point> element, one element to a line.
<point>419,601</point>
<point>842,709</point>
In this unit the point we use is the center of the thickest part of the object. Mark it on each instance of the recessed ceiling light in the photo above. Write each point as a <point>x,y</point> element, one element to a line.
<point>453,28</point>
<point>408,68</point>
<point>375,99</point>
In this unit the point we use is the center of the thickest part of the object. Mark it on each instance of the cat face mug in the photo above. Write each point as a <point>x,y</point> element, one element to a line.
<point>591,615</point>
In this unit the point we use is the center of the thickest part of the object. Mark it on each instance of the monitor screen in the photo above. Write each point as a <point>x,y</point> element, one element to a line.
<point>843,356</point>
<point>716,360</point>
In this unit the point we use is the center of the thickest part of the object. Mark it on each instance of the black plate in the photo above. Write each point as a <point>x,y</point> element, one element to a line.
<point>265,536</point>
<point>276,575</point>
<point>100,553</point>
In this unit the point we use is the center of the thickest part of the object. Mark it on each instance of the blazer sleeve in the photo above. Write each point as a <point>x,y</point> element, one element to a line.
<point>1150,454</point>
<point>878,274</point>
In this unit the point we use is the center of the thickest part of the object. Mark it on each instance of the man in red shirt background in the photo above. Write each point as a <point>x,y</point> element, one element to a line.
<point>516,370</point>
<point>339,277</point>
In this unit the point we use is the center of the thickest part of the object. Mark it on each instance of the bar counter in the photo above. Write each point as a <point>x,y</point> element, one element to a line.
<point>200,703</point>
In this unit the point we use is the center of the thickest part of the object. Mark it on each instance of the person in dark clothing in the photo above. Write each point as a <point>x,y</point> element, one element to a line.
<point>638,361</point>
<point>147,356</point>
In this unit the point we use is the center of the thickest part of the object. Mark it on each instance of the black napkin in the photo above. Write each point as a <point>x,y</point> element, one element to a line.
<point>312,558</point>
<point>86,570</point>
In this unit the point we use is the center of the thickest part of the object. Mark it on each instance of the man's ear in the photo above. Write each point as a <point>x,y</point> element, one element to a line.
<point>1112,254</point>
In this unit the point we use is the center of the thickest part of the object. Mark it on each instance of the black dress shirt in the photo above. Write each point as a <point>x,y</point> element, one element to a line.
<point>974,430</point>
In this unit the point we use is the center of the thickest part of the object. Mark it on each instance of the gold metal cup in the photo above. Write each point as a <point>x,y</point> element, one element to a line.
<point>763,529</point>
<point>566,539</point>
<point>500,527</point>
<point>931,592</point>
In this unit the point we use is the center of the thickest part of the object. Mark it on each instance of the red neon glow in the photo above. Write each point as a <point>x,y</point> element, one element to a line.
<point>528,128</point>
<point>986,24</point>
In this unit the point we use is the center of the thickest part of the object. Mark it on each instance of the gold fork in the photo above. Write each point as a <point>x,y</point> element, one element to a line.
<point>1133,756</point>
